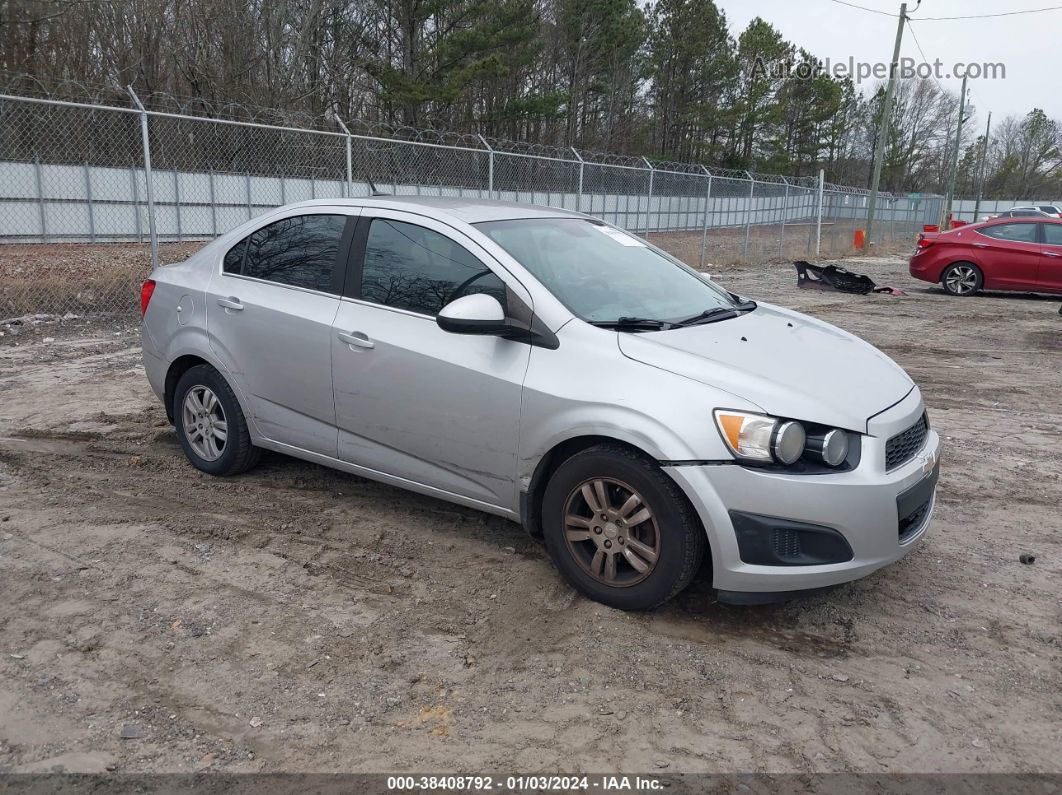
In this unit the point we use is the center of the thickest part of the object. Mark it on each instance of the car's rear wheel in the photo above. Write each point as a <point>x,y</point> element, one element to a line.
<point>962,279</point>
<point>210,424</point>
<point>619,529</point>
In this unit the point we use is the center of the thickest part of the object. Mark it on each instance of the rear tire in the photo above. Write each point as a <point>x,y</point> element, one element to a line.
<point>210,424</point>
<point>619,529</point>
<point>962,279</point>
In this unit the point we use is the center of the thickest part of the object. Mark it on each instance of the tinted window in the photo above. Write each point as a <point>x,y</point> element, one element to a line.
<point>234,259</point>
<point>1053,234</point>
<point>1021,233</point>
<point>410,267</point>
<point>299,251</point>
<point>1049,209</point>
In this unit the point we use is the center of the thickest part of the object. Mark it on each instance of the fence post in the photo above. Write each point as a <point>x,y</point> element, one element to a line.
<point>177,203</point>
<point>40,196</point>
<point>748,214</point>
<point>649,203</point>
<point>579,195</point>
<point>350,162</point>
<point>213,205</point>
<point>247,191</point>
<point>892,220</point>
<point>136,204</point>
<point>88,198</point>
<point>818,219</point>
<point>785,210</point>
<point>490,166</point>
<point>707,201</point>
<point>148,190</point>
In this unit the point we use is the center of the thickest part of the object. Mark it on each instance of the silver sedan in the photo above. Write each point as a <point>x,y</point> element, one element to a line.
<point>549,368</point>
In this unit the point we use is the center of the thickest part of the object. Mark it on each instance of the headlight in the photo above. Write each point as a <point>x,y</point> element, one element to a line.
<point>756,437</point>
<point>831,447</point>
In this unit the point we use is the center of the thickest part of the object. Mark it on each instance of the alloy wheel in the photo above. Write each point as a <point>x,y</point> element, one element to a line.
<point>205,425</point>
<point>611,532</point>
<point>961,280</point>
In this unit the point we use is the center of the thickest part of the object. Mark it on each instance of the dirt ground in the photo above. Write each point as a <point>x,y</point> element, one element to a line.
<point>296,618</point>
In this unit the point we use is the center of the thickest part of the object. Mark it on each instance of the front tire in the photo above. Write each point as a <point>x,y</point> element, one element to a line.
<point>962,279</point>
<point>210,425</point>
<point>619,529</point>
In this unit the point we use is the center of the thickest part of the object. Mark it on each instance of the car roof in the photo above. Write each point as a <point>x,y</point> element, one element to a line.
<point>468,209</point>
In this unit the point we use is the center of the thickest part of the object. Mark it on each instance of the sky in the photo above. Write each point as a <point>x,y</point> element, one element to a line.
<point>1028,45</point>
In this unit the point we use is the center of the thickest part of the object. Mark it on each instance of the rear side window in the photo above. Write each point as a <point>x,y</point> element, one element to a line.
<point>1052,234</point>
<point>409,267</point>
<point>1019,233</point>
<point>234,259</point>
<point>1049,209</point>
<point>299,252</point>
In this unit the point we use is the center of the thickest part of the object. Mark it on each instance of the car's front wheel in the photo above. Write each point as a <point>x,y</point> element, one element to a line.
<point>961,279</point>
<point>619,529</point>
<point>211,426</point>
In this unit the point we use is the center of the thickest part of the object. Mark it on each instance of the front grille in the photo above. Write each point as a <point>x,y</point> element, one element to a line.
<point>902,447</point>
<point>910,523</point>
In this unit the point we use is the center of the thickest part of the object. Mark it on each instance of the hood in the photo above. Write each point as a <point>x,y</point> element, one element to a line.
<point>788,364</point>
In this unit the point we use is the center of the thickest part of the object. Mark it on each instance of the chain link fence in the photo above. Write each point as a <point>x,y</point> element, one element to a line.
<point>152,186</point>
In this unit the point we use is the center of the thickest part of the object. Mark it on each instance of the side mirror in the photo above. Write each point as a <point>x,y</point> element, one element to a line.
<point>474,314</point>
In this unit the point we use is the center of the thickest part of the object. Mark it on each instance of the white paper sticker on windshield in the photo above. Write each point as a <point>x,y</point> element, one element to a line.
<point>620,237</point>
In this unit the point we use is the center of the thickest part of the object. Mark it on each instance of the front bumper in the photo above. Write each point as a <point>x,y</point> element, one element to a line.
<point>861,505</point>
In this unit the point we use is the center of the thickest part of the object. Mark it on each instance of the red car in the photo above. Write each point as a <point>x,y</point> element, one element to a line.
<point>1001,254</point>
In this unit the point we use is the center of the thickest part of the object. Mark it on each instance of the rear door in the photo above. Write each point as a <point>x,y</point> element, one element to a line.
<point>412,400</point>
<point>1009,254</point>
<point>1050,277</point>
<point>270,308</point>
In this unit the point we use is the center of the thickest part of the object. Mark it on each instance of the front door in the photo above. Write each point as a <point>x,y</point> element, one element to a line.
<point>270,309</point>
<point>412,400</point>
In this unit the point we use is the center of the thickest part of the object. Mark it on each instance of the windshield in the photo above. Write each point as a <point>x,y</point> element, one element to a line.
<point>603,274</point>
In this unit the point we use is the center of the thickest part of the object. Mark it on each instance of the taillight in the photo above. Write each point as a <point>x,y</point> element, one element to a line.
<point>147,289</point>
<point>924,242</point>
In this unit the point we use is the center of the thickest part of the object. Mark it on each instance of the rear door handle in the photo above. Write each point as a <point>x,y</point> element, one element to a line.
<point>232,302</point>
<point>980,245</point>
<point>356,338</point>
<point>1052,254</point>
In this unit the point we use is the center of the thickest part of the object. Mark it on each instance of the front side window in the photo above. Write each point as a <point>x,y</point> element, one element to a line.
<point>1052,234</point>
<point>410,267</point>
<point>299,252</point>
<point>602,274</point>
<point>1019,233</point>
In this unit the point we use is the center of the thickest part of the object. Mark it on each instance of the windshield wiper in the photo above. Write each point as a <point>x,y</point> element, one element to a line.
<point>717,313</point>
<point>633,324</point>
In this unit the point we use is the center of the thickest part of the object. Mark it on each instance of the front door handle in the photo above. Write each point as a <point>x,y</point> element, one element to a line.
<point>1052,254</point>
<point>980,245</point>
<point>356,338</point>
<point>232,302</point>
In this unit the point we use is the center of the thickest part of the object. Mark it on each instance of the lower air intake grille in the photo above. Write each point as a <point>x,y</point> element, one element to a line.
<point>786,543</point>
<point>902,447</point>
<point>910,523</point>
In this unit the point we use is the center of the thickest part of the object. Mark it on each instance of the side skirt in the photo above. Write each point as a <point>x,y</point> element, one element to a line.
<point>390,480</point>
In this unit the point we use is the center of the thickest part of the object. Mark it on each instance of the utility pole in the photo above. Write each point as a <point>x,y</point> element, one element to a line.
<point>883,126</point>
<point>955,154</point>
<point>984,164</point>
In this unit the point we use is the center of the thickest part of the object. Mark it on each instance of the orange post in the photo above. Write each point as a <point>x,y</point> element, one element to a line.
<point>859,238</point>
